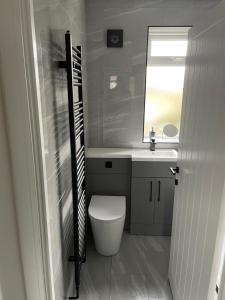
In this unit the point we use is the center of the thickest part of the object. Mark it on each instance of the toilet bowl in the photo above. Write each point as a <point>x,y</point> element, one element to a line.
<point>107,215</point>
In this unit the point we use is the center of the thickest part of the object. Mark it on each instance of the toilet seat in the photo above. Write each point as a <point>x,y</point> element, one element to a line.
<point>107,208</point>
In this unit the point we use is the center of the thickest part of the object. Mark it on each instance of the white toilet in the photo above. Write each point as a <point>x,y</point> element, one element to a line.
<point>107,215</point>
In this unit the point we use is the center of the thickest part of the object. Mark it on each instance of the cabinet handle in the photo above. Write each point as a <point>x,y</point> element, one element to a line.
<point>159,190</point>
<point>150,199</point>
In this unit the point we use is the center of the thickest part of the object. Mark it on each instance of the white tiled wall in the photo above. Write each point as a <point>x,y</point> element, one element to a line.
<point>52,19</point>
<point>116,116</point>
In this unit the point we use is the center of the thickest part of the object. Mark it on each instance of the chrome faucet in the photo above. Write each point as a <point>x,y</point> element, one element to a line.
<point>152,140</point>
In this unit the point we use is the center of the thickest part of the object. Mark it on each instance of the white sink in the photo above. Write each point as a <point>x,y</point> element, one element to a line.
<point>157,155</point>
<point>134,154</point>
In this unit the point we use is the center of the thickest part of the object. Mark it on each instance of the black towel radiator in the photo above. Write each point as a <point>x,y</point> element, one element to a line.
<point>73,66</point>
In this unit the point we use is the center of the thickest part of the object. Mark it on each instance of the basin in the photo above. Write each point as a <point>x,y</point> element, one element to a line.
<point>157,155</point>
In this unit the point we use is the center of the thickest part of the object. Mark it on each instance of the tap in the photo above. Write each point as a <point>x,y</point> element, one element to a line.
<point>152,145</point>
<point>152,140</point>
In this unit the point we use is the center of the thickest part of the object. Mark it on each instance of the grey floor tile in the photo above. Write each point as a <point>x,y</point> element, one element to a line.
<point>95,277</point>
<point>155,255</point>
<point>139,271</point>
<point>130,258</point>
<point>142,255</point>
<point>159,292</point>
<point>128,287</point>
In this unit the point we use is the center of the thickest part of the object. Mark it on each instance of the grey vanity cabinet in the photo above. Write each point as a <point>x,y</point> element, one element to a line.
<point>143,191</point>
<point>152,198</point>
<point>164,201</point>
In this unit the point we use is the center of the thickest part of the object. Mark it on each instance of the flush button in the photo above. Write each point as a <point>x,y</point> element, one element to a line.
<point>108,164</point>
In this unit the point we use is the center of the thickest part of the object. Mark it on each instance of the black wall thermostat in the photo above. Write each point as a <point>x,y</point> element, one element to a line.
<point>114,38</point>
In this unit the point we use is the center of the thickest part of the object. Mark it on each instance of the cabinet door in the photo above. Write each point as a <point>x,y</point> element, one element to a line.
<point>164,201</point>
<point>142,200</point>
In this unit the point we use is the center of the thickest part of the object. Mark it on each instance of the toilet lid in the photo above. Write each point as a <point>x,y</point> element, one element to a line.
<point>107,208</point>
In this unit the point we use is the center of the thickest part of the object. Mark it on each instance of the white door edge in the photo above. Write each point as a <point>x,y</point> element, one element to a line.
<point>19,72</point>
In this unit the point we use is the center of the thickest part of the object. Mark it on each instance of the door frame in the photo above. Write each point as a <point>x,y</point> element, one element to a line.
<point>21,97</point>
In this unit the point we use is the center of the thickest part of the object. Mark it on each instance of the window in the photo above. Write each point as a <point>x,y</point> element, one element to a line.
<point>167,48</point>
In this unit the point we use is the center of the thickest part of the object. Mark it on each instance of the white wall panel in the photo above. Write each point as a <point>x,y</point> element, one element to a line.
<point>202,166</point>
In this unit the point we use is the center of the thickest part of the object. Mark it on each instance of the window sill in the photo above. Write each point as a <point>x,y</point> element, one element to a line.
<point>162,144</point>
<point>162,141</point>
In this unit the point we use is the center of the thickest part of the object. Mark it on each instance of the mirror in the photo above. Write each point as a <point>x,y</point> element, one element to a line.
<point>170,130</point>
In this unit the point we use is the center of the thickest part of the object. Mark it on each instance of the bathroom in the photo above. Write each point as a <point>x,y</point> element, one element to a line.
<point>122,104</point>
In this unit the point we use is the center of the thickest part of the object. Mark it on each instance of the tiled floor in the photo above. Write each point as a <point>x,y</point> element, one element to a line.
<point>137,272</point>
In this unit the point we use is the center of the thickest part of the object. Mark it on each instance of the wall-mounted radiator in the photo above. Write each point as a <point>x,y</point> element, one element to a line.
<point>73,67</point>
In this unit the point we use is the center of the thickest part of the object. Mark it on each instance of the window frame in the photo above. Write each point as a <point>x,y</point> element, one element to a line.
<point>169,60</point>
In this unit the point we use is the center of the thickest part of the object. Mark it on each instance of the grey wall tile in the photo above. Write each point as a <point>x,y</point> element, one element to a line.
<point>52,19</point>
<point>117,118</point>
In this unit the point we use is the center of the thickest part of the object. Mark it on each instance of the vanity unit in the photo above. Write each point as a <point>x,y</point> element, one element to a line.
<point>152,195</point>
<point>142,176</point>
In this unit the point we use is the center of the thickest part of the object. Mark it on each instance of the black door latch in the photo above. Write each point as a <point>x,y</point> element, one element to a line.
<point>175,171</point>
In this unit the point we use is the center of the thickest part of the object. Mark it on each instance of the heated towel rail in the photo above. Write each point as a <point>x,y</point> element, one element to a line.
<point>73,67</point>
